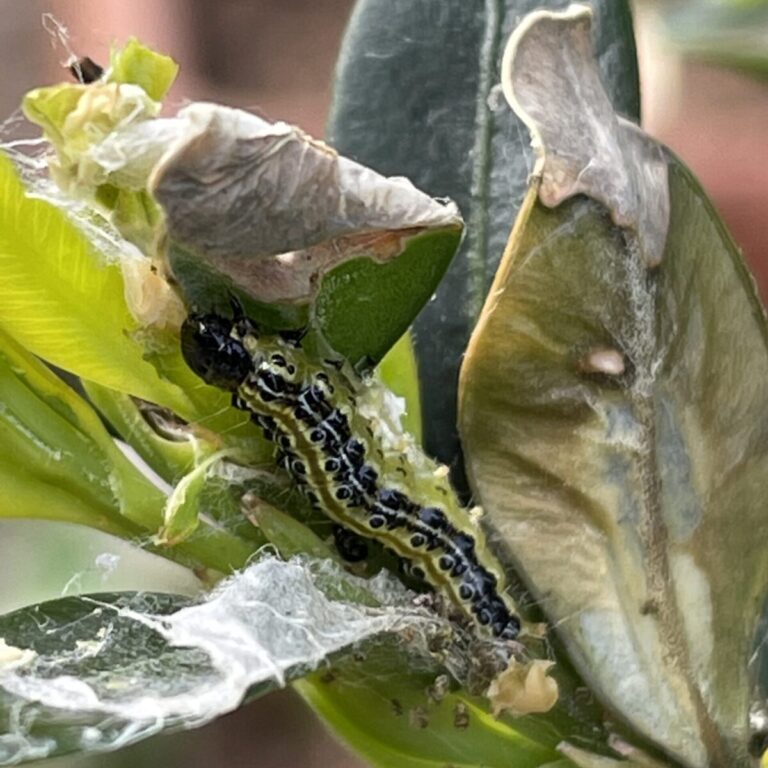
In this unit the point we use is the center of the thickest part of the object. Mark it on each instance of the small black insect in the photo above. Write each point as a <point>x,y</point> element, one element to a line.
<point>86,70</point>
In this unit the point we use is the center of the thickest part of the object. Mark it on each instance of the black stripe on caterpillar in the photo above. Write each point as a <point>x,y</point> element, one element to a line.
<point>333,454</point>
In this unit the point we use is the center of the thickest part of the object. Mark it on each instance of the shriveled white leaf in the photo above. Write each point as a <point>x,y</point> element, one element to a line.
<point>262,202</point>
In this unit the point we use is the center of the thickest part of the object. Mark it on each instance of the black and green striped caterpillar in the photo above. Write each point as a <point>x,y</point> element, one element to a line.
<point>363,483</point>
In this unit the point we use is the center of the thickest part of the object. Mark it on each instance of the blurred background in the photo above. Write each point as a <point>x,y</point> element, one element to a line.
<point>704,68</point>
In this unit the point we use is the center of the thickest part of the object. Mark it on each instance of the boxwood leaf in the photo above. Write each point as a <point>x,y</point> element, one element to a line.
<point>58,462</point>
<point>57,459</point>
<point>165,444</point>
<point>134,63</point>
<point>395,715</point>
<point>613,412</point>
<point>303,235</point>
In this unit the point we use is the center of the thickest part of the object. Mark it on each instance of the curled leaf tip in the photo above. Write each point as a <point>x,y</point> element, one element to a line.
<point>551,80</point>
<point>246,223</point>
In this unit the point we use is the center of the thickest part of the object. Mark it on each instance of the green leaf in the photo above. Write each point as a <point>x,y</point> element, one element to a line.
<point>613,410</point>
<point>614,420</point>
<point>363,308</point>
<point>50,107</point>
<point>417,95</point>
<point>57,459</point>
<point>171,455</point>
<point>395,717</point>
<point>58,462</point>
<point>303,236</point>
<point>54,285</point>
<point>288,535</point>
<point>137,64</point>
<point>399,372</point>
<point>183,509</point>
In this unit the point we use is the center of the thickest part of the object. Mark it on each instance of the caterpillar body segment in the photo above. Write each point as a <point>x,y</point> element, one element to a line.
<point>367,477</point>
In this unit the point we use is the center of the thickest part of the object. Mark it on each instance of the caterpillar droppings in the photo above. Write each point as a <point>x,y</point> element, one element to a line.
<point>333,454</point>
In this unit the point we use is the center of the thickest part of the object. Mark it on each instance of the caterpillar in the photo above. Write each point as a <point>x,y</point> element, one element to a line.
<point>333,454</point>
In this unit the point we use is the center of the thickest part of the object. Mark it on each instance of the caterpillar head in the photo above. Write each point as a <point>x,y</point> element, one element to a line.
<point>213,349</point>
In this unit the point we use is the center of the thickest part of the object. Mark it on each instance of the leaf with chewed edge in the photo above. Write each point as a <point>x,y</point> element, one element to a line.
<point>414,719</point>
<point>301,233</point>
<point>614,416</point>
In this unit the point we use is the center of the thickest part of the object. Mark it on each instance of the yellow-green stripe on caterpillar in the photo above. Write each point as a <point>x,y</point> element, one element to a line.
<point>332,452</point>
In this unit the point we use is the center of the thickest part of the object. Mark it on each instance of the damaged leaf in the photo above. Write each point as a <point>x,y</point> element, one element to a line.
<point>302,233</point>
<point>116,668</point>
<point>613,415</point>
<point>77,117</point>
<point>418,718</point>
<point>582,146</point>
<point>303,236</point>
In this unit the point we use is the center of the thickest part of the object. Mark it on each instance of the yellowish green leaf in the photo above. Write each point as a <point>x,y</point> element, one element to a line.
<point>135,63</point>
<point>181,516</point>
<point>64,303</point>
<point>398,370</point>
<point>171,456</point>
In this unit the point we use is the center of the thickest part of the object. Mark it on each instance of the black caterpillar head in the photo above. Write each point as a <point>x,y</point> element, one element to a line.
<point>213,353</point>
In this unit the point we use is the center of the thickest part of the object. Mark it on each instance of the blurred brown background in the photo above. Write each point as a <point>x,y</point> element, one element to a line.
<point>271,56</point>
<point>276,57</point>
